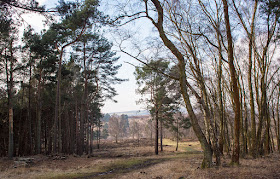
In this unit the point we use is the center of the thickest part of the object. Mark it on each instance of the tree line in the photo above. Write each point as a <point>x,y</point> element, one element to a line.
<point>54,83</point>
<point>145,127</point>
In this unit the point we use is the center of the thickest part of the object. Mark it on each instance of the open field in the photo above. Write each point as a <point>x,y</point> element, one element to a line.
<point>128,159</point>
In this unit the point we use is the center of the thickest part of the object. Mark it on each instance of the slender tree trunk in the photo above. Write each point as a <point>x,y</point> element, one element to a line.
<point>22,141</point>
<point>84,115</point>
<point>46,139</point>
<point>10,85</point>
<point>267,134</point>
<point>39,109</point>
<point>57,115</point>
<point>278,120</point>
<point>253,147</point>
<point>59,119</point>
<point>99,131</point>
<point>236,148</point>
<point>161,137</point>
<point>29,109</point>
<point>251,36</point>
<point>227,137</point>
<point>262,115</point>
<point>272,149</point>
<point>177,133</point>
<point>246,129</point>
<point>219,89</point>
<point>77,128</point>
<point>221,110</point>
<point>11,133</point>
<point>156,133</point>
<point>81,137</point>
<point>73,132</point>
<point>151,135</point>
<point>68,133</point>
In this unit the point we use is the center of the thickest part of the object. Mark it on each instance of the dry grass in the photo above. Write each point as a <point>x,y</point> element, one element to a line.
<point>128,160</point>
<point>188,167</point>
<point>187,146</point>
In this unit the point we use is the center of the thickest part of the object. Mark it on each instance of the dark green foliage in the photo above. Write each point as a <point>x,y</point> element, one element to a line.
<point>164,91</point>
<point>186,123</point>
<point>124,125</point>
<point>34,101</point>
<point>163,101</point>
<point>106,118</point>
<point>99,62</point>
<point>104,134</point>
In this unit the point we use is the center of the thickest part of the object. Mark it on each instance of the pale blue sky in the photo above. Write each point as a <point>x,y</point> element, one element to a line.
<point>127,97</point>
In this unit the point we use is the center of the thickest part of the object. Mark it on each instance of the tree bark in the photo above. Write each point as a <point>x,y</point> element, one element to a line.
<point>10,86</point>
<point>236,148</point>
<point>278,120</point>
<point>207,160</point>
<point>29,108</point>
<point>156,133</point>
<point>39,110</point>
<point>177,133</point>
<point>57,114</point>
<point>161,136</point>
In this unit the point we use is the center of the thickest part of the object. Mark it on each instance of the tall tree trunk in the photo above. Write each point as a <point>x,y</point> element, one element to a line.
<point>81,137</point>
<point>151,134</point>
<point>57,114</point>
<point>227,137</point>
<point>220,100</point>
<point>246,129</point>
<point>278,120</point>
<point>22,140</point>
<point>207,160</point>
<point>10,85</point>
<point>253,147</point>
<point>29,109</point>
<point>156,133</point>
<point>11,132</point>
<point>161,136</point>
<point>99,132</point>
<point>177,133</point>
<point>262,115</point>
<point>251,36</point>
<point>77,129</point>
<point>267,143</point>
<point>39,110</point>
<point>236,148</point>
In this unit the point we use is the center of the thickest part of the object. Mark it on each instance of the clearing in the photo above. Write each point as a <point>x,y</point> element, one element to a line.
<point>130,159</point>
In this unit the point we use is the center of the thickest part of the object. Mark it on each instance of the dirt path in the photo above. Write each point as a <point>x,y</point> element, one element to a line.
<point>152,167</point>
<point>120,170</point>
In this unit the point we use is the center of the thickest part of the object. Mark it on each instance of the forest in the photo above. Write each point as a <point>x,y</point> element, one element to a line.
<point>216,59</point>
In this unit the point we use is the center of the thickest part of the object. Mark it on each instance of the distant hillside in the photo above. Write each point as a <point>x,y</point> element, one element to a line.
<point>141,112</point>
<point>133,113</point>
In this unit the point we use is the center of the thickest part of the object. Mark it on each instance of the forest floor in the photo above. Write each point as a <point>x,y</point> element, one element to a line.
<point>129,159</point>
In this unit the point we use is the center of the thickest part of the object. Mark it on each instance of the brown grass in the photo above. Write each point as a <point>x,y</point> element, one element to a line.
<point>130,160</point>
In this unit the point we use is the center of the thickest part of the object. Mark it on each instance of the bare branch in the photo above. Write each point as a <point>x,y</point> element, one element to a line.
<point>153,68</point>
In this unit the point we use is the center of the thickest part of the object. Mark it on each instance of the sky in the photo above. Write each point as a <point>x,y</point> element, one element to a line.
<point>126,91</point>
